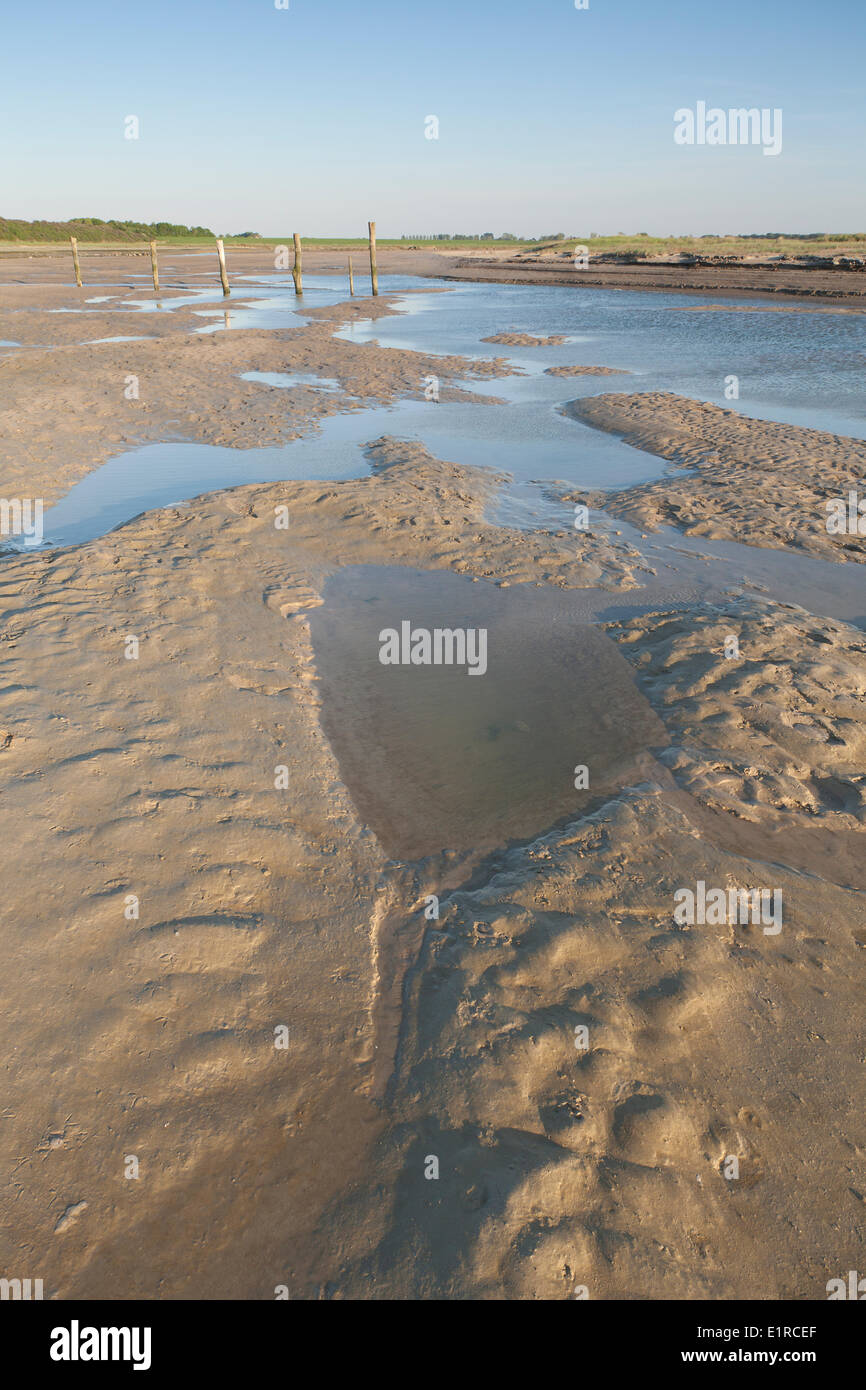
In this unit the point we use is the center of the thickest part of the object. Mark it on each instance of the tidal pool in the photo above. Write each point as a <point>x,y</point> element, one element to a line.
<point>438,759</point>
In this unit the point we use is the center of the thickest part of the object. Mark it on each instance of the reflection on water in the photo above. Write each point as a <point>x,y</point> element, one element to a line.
<point>159,475</point>
<point>790,365</point>
<point>797,368</point>
<point>163,475</point>
<point>436,759</point>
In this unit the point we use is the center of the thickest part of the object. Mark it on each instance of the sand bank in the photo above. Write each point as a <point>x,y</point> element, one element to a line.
<point>749,480</point>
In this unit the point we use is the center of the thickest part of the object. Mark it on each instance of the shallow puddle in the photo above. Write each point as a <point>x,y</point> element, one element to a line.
<point>436,758</point>
<point>284,380</point>
<point>138,338</point>
<point>159,475</point>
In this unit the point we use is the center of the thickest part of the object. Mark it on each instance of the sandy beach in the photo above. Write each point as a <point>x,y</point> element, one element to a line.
<point>218,955</point>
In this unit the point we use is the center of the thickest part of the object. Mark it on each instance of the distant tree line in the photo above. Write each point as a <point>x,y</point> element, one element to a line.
<point>473,236</point>
<point>709,236</point>
<point>95,229</point>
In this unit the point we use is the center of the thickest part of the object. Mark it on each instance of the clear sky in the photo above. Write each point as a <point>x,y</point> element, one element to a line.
<point>313,118</point>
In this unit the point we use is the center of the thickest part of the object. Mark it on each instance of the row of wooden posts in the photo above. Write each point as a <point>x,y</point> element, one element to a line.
<point>297,272</point>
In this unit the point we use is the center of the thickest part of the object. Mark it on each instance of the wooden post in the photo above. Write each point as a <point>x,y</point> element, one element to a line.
<point>374,270</point>
<point>298,271</point>
<point>75,261</point>
<point>223,273</point>
<point>351,278</point>
<point>154,267</point>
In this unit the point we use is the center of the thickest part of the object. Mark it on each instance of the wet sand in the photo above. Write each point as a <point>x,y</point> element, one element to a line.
<point>756,481</point>
<point>204,873</point>
<point>68,403</point>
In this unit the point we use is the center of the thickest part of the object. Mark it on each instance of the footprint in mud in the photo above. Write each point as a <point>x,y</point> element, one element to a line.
<point>563,1118</point>
<point>659,997</point>
<point>69,1217</point>
<point>291,599</point>
<point>838,795</point>
<point>671,1001</point>
<point>733,1153</point>
<point>629,1115</point>
<point>258,682</point>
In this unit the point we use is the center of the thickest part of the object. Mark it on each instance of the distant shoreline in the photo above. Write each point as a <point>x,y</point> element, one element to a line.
<point>825,288</point>
<point>831,285</point>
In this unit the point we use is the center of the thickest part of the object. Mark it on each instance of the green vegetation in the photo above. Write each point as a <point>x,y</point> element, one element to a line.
<point>117,234</point>
<point>94,229</point>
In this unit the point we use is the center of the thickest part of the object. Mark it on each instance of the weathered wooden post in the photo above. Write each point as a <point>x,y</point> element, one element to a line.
<point>223,273</point>
<point>351,278</point>
<point>154,267</point>
<point>75,261</point>
<point>374,271</point>
<point>298,270</point>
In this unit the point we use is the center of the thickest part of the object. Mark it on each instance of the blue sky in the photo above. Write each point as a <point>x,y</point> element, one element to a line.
<point>313,118</point>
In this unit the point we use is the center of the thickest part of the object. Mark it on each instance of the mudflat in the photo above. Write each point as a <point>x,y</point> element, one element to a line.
<point>758,481</point>
<point>223,957</point>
